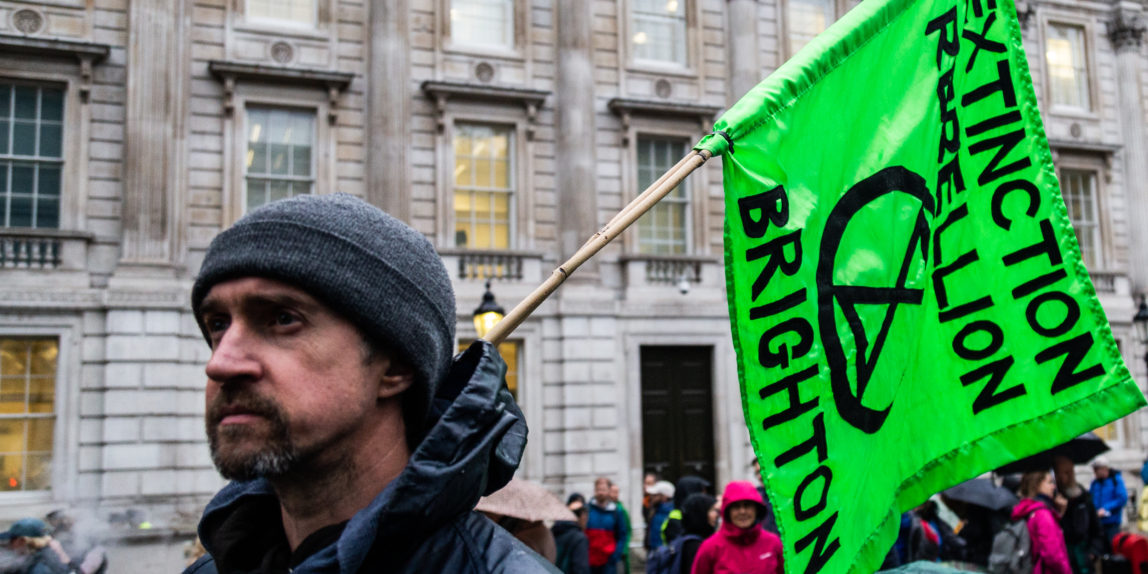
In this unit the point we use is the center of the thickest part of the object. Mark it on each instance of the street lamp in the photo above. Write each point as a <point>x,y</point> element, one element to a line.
<point>488,313</point>
<point>1140,322</point>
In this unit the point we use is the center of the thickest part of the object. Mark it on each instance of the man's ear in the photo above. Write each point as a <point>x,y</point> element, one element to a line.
<point>398,378</point>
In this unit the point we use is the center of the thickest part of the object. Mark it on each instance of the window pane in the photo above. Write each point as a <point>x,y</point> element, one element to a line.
<point>659,31</point>
<point>49,182</point>
<point>47,213</point>
<point>482,22</point>
<point>40,434</point>
<point>1067,66</point>
<point>291,11</point>
<point>5,133</point>
<point>5,100</point>
<point>12,467</point>
<point>279,151</point>
<point>51,105</point>
<point>51,136</point>
<point>20,211</point>
<point>665,229</point>
<point>26,97</point>
<point>807,19</point>
<point>38,472</point>
<point>24,138</point>
<point>23,178</point>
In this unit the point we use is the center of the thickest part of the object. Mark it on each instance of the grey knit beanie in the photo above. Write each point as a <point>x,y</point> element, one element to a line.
<point>369,267</point>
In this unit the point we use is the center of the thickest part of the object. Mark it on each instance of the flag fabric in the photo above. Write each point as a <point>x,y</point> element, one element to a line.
<point>907,296</point>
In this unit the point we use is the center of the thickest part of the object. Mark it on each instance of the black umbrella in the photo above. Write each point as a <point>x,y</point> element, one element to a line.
<point>982,492</point>
<point>1080,450</point>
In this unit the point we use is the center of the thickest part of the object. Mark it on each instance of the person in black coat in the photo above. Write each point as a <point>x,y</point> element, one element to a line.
<point>699,518</point>
<point>570,538</point>
<point>1083,535</point>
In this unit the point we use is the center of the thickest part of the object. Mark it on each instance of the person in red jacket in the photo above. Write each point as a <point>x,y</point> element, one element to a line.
<point>741,546</point>
<point>1049,553</point>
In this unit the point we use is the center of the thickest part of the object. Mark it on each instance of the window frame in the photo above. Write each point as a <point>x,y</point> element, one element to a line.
<point>698,213</point>
<point>627,29</point>
<point>1079,162</point>
<point>511,190</point>
<point>520,35</point>
<point>290,178</point>
<point>689,244</point>
<point>840,7</point>
<point>75,145</point>
<point>235,140</point>
<point>320,31</point>
<point>65,432</point>
<point>37,159</point>
<point>1089,35</point>
<point>522,226</point>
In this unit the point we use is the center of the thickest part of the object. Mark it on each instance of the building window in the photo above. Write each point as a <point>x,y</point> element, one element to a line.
<point>31,155</point>
<point>805,19</point>
<point>295,12</point>
<point>483,186</point>
<point>279,161</point>
<point>486,23</point>
<point>665,229</point>
<point>659,31</point>
<point>509,350</point>
<point>1079,189</point>
<point>1067,66</point>
<point>27,412</point>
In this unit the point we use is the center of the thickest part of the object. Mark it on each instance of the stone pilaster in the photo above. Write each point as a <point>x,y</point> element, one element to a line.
<point>154,132</point>
<point>1125,30</point>
<point>744,69</point>
<point>574,105</point>
<point>388,97</point>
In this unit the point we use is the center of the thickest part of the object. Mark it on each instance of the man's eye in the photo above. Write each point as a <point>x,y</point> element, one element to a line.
<point>216,324</point>
<point>284,318</point>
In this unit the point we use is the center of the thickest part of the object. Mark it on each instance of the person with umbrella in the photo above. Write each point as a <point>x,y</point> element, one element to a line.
<point>984,509</point>
<point>1109,496</point>
<point>1082,533</point>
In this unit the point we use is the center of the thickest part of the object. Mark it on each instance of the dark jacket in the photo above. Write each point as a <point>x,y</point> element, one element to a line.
<point>422,521</point>
<point>573,547</point>
<point>687,485</point>
<point>1080,524</point>
<point>695,521</point>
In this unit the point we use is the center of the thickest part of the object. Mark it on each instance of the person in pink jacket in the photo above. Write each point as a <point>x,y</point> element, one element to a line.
<point>741,545</point>
<point>1049,554</point>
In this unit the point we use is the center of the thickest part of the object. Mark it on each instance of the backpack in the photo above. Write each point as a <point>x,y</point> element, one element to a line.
<point>1012,549</point>
<point>667,559</point>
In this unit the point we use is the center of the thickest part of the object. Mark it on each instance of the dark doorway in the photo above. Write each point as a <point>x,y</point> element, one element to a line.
<point>677,411</point>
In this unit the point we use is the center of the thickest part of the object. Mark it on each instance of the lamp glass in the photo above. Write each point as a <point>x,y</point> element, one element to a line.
<point>484,322</point>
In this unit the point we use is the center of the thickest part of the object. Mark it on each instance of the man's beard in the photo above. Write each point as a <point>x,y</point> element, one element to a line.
<point>275,458</point>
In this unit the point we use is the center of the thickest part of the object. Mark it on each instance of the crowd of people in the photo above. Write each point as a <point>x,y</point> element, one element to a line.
<point>688,530</point>
<point>1068,529</point>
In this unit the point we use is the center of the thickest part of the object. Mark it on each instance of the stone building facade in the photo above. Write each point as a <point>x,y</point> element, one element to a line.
<point>507,131</point>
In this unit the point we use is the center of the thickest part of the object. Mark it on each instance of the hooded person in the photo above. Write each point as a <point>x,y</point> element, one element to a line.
<point>740,545</point>
<point>353,442</point>
<point>699,519</point>
<point>1037,509</point>
<point>687,485</point>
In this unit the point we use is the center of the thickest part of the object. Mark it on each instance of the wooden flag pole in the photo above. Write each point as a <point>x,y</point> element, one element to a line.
<point>629,214</point>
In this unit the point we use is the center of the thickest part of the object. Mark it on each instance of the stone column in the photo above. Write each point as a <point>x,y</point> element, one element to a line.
<point>153,131</point>
<point>1125,31</point>
<point>744,71</point>
<point>388,93</point>
<point>577,190</point>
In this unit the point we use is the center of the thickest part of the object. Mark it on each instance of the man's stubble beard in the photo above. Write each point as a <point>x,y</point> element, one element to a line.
<point>278,455</point>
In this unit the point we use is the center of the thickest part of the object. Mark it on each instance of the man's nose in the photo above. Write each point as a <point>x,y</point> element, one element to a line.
<point>234,358</point>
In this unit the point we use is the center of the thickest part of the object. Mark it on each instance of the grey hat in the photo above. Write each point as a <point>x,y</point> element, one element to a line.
<point>369,267</point>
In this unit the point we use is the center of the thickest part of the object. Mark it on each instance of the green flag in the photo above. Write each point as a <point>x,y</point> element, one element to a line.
<point>907,296</point>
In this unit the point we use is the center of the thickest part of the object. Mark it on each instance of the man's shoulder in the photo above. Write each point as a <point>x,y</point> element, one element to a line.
<point>205,565</point>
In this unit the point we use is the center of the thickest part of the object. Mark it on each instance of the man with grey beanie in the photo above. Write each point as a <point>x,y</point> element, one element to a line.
<point>353,442</point>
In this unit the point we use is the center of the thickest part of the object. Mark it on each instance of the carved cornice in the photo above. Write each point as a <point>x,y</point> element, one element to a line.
<point>441,92</point>
<point>231,72</point>
<point>1125,30</point>
<point>625,108</point>
<point>87,54</point>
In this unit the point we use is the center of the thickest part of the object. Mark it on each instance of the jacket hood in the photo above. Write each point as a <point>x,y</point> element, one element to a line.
<point>688,485</point>
<point>1027,506</point>
<point>738,491</point>
<point>475,439</point>
<point>695,515</point>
